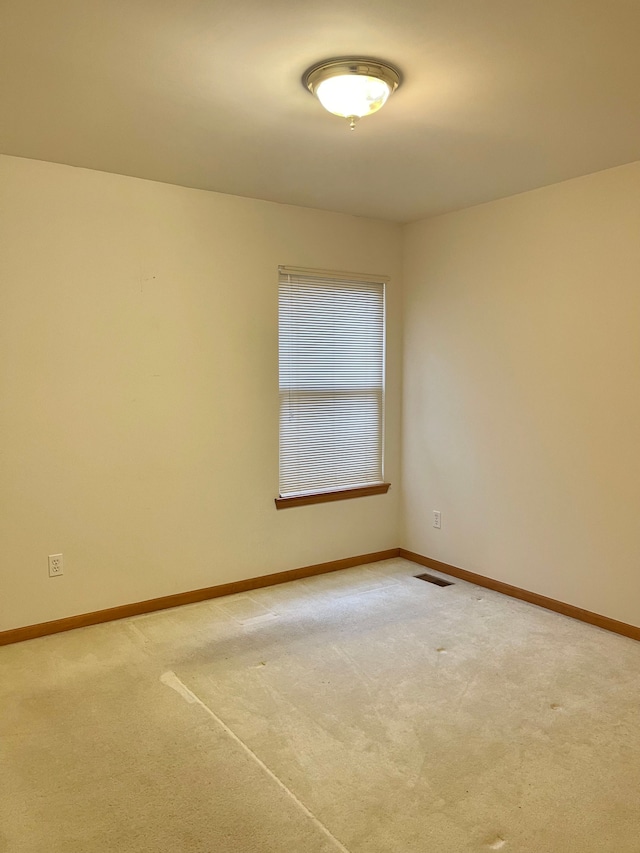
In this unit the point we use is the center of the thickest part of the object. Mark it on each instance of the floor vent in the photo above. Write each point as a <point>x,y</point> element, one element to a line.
<point>433,579</point>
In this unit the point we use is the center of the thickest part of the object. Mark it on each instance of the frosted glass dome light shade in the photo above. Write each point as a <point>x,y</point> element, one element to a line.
<point>352,88</point>
<point>352,95</point>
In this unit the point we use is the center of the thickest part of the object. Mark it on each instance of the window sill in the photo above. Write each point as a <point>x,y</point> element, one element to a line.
<point>324,497</point>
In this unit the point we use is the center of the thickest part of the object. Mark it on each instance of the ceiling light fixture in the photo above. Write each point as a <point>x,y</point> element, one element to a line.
<point>352,88</point>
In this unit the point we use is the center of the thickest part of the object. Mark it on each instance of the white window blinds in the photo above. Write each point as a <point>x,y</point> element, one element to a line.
<point>331,357</point>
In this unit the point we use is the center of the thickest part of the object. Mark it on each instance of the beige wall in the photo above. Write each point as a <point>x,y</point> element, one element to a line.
<point>521,417</point>
<point>138,389</point>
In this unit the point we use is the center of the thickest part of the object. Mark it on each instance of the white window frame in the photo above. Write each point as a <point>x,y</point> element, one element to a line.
<point>299,482</point>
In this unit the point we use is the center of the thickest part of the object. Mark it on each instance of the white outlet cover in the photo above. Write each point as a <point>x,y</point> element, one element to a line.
<point>56,565</point>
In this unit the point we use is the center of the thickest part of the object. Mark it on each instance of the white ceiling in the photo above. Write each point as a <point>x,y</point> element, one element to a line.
<point>499,96</point>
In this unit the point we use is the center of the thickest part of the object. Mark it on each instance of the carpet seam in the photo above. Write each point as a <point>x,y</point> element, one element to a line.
<point>170,679</point>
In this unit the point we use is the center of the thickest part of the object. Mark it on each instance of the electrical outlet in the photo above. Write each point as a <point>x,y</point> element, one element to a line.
<point>437,520</point>
<point>55,565</point>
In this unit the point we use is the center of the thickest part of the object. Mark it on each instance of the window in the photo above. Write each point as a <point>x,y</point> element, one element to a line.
<point>331,359</point>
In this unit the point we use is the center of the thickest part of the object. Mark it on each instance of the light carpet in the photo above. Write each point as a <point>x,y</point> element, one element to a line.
<point>361,711</point>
